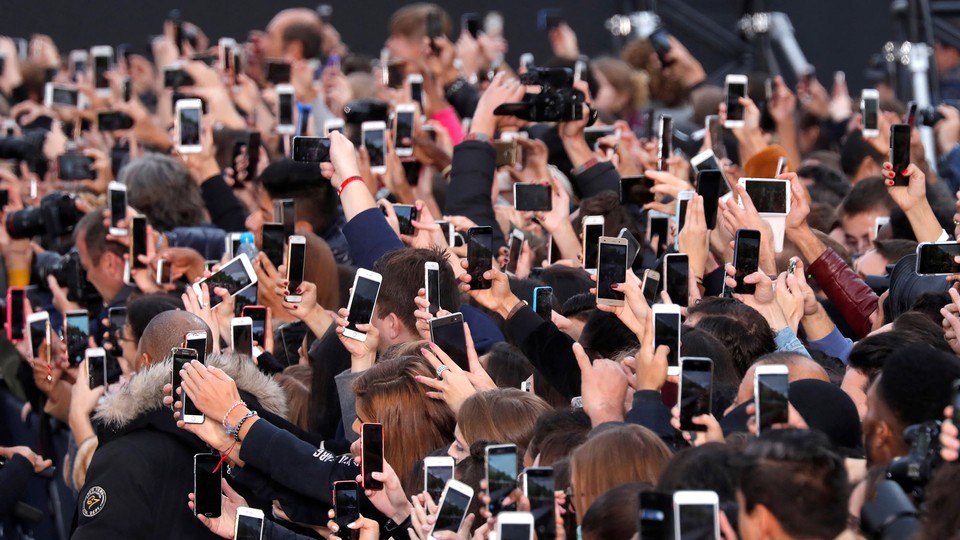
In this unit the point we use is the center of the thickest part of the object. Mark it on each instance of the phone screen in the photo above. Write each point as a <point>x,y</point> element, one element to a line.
<point>651,282</point>
<point>938,259</point>
<point>773,390</point>
<point>346,500</point>
<point>900,152</point>
<point>206,488</point>
<point>38,333</point>
<point>118,206</point>
<point>681,213</point>
<point>272,239</point>
<point>768,196</point>
<point>664,141</point>
<point>78,337</point>
<point>138,241</point>
<point>117,318</point>
<point>232,277</point>
<point>16,318</point>
<point>666,331</point>
<point>259,317</point>
<point>190,126</point>
<point>100,66</point>
<point>501,475</point>
<point>697,520</point>
<point>362,302</point>
<point>709,183</point>
<point>655,511</point>
<point>591,245</point>
<point>67,97</point>
<point>433,290</point>
<point>436,478</point>
<point>735,91</point>
<point>533,197</point>
<point>612,269</point>
<point>199,346</point>
<point>479,256</point>
<point>636,190</point>
<point>181,357</point>
<point>311,149</point>
<point>660,228</point>
<point>540,492</point>
<point>447,333</point>
<point>695,379</point>
<point>451,513</point>
<point>709,164</point>
<point>514,531</point>
<point>297,258</point>
<point>678,278</point>
<point>404,129</point>
<point>543,302</point>
<point>746,259</point>
<point>516,247</point>
<point>374,143</point>
<point>285,109</point>
<point>372,455</point>
<point>250,527</point>
<point>406,214</point>
<point>871,113</point>
<point>416,91</point>
<point>74,167</point>
<point>243,339</point>
<point>97,367</point>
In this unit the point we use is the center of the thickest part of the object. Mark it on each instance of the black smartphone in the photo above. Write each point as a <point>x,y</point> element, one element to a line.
<point>138,241</point>
<point>659,228</point>
<point>636,190</point>
<point>539,487</point>
<point>664,141</point>
<point>278,71</point>
<point>549,18</point>
<point>676,269</point>
<point>366,288</point>
<point>592,230</point>
<point>97,368</point>
<point>117,317</point>
<point>660,40</point>
<point>447,333</point>
<point>176,77</point>
<point>501,462</point>
<point>470,22</point>
<point>746,258</point>
<point>681,213</point>
<point>406,215</point>
<point>543,302</point>
<point>206,485</point>
<point>273,237</point>
<point>181,357</point>
<point>479,256</point>
<point>253,154</point>
<point>257,314</point>
<point>311,149</point>
<point>113,121</point>
<point>371,438</point>
<point>404,120</point>
<point>346,504</point>
<point>771,395</point>
<point>736,88</point>
<point>75,166</point>
<point>514,248</point>
<point>77,335</point>
<point>655,515</point>
<point>938,258</point>
<point>709,185</point>
<point>696,391</point>
<point>900,153</point>
<point>633,245</point>
<point>611,269</point>
<point>118,207</point>
<point>197,341</point>
<point>666,330</point>
<point>532,197</point>
<point>16,316</point>
<point>4,198</point>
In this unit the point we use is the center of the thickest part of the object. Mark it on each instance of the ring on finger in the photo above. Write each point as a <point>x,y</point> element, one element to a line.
<point>440,371</point>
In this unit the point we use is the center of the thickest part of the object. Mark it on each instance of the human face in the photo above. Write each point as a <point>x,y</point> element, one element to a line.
<point>458,449</point>
<point>855,385</point>
<point>102,274</point>
<point>859,232</point>
<point>405,49</point>
<point>607,98</point>
<point>128,345</point>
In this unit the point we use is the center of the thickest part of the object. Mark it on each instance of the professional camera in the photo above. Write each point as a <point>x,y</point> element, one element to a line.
<point>558,100</point>
<point>890,515</point>
<point>56,216</point>
<point>914,470</point>
<point>69,273</point>
<point>928,116</point>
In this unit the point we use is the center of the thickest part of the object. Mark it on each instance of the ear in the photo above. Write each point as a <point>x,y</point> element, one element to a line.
<point>767,523</point>
<point>395,327</point>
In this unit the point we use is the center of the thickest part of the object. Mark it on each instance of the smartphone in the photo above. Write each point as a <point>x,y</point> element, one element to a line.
<point>479,256</point>
<point>650,285</point>
<point>126,89</point>
<point>404,120</point>
<point>258,322</point>
<point>695,392</point>
<point>746,258</point>
<point>505,153</point>
<point>658,225</point>
<point>937,258</point>
<point>666,331</point>
<point>870,112</point>
<point>452,508</point>
<point>664,141</point>
<point>76,335</point>
<point>285,107</point>
<point>593,134</point>
<point>713,126</point>
<point>771,394</point>
<point>431,284</point>
<point>705,161</point>
<point>231,243</point>
<point>592,230</point>
<point>206,485</point>
<point>296,259</point>
<point>118,207</point>
<point>346,504</point>
<point>447,332</point>
<point>612,269</point>
<point>138,240</point>
<point>60,95</point>
<point>683,199</point>
<point>530,197</point>
<point>437,471</point>
<point>373,138</point>
<point>538,486</point>
<point>249,525</point>
<point>501,464</point>
<point>676,269</point>
<point>515,248</point>
<point>371,439</point>
<point>278,71</point>
<point>709,185</point>
<point>311,149</point>
<point>769,196</point>
<point>363,298</point>
<point>234,276</point>
<point>285,211</point>
<point>734,88</point>
<point>273,236</point>
<point>696,514</point>
<point>878,224</point>
<point>241,332</point>
<point>197,341</point>
<point>181,356</point>
<point>117,319</point>
<point>406,215</point>
<point>514,526</point>
<point>543,302</point>
<point>75,166</point>
<point>38,326</point>
<point>186,126</point>
<point>636,190</point>
<point>633,245</point>
<point>96,366</point>
<point>113,121</point>
<point>164,276</point>
<point>415,80</point>
<point>900,153</point>
<point>16,315</point>
<point>655,515</point>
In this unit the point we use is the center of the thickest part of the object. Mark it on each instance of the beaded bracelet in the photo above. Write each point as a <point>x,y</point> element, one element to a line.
<point>236,430</point>
<point>226,424</point>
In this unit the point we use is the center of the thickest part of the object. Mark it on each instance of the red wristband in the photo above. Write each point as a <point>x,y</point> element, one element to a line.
<point>344,184</point>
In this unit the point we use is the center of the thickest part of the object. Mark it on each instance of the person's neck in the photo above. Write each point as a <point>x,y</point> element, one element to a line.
<point>110,295</point>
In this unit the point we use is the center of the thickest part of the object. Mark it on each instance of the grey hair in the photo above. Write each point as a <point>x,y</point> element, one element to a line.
<point>161,188</point>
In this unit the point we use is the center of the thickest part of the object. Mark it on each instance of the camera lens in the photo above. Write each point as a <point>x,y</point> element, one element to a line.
<point>25,224</point>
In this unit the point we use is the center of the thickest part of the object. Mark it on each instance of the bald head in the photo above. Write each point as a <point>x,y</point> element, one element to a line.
<point>294,34</point>
<point>165,332</point>
<point>800,367</point>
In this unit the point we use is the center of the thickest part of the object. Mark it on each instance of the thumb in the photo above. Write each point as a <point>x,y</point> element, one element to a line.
<point>582,359</point>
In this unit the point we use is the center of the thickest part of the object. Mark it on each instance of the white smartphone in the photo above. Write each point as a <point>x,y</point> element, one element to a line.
<point>611,269</point>
<point>231,244</point>
<point>403,124</point>
<point>705,161</point>
<point>249,525</point>
<point>590,237</point>
<point>186,126</point>
<point>60,95</point>
<point>235,276</point>
<point>452,508</point>
<point>514,526</point>
<point>666,331</point>
<point>870,111</point>
<point>285,108</point>
<point>431,284</point>
<point>241,336</point>
<point>373,138</point>
<point>363,298</point>
<point>225,47</point>
<point>79,60</point>
<point>38,331</point>
<point>683,199</point>
<point>163,272</point>
<point>96,366</point>
<point>771,394</point>
<point>102,56</point>
<point>333,124</point>
<point>769,195</point>
<point>118,207</point>
<point>437,471</point>
<point>415,80</point>
<point>296,259</point>
<point>878,224</point>
<point>734,88</point>
<point>696,514</point>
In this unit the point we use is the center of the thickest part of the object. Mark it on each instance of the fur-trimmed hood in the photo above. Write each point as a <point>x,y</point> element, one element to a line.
<point>144,393</point>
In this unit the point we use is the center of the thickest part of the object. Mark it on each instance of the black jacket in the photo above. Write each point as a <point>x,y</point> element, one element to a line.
<point>549,350</point>
<point>471,182</point>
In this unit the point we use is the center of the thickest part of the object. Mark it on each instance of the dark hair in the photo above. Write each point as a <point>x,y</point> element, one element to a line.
<point>580,306</point>
<point>142,310</point>
<point>410,21</point>
<point>309,35</point>
<point>604,335</point>
<point>94,234</point>
<point>613,514</point>
<point>507,365</point>
<point>796,475</point>
<point>895,249</point>
<point>711,467</point>
<point>315,200</point>
<point>742,330</point>
<point>941,519</point>
<point>823,216</point>
<point>615,215</point>
<point>929,305</point>
<point>854,150</point>
<point>826,179</point>
<point>917,383</point>
<point>921,328</point>
<point>696,342</point>
<point>868,195</point>
<point>870,353</point>
<point>523,288</point>
<point>404,268</point>
<point>162,188</point>
<point>566,281</point>
<point>570,423</point>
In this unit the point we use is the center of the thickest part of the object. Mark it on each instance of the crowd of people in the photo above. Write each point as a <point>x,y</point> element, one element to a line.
<point>325,411</point>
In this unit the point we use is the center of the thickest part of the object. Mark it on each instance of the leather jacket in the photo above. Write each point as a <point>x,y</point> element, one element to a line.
<point>850,294</point>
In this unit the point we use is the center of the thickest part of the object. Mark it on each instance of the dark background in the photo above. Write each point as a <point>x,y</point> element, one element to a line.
<point>834,34</point>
